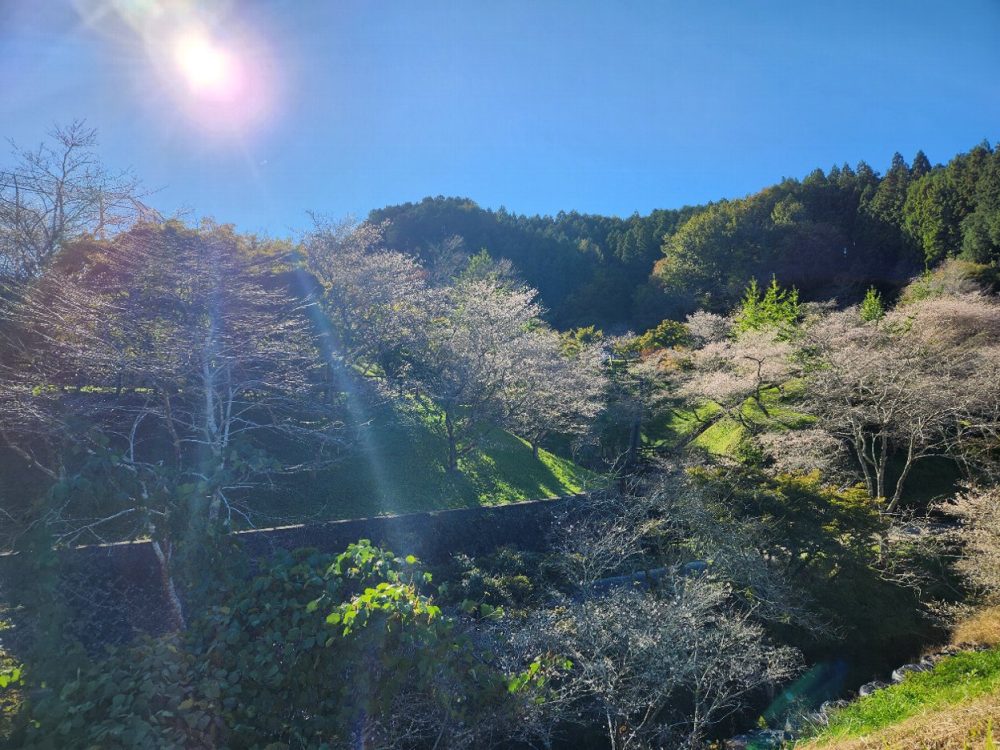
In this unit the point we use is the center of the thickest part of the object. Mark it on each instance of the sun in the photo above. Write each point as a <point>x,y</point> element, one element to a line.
<point>209,69</point>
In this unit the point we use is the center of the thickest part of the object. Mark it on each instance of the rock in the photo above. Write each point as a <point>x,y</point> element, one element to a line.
<point>761,739</point>
<point>871,687</point>
<point>900,673</point>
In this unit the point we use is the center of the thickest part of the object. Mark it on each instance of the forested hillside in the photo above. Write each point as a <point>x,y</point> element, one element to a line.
<point>587,268</point>
<point>831,234</point>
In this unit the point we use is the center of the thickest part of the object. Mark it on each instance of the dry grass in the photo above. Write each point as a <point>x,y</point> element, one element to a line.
<point>983,628</point>
<point>961,727</point>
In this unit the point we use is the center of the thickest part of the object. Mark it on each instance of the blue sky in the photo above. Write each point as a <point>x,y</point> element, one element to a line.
<point>541,106</point>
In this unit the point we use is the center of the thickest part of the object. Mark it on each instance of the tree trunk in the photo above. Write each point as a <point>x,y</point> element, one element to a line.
<point>897,495</point>
<point>214,507</point>
<point>634,438</point>
<point>449,426</point>
<point>169,589</point>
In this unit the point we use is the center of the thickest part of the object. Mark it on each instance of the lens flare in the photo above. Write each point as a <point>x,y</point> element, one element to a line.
<point>206,66</point>
<point>208,69</point>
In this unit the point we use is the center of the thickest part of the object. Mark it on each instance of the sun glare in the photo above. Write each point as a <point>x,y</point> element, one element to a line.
<point>208,69</point>
<point>217,72</point>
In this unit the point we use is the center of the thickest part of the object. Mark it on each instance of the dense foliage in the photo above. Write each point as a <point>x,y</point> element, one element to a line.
<point>316,651</point>
<point>832,234</point>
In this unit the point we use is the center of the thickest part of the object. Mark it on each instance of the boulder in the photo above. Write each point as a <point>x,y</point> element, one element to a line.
<point>871,687</point>
<point>829,706</point>
<point>898,674</point>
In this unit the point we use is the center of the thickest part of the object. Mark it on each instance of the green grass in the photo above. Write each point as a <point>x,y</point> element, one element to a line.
<point>397,465</point>
<point>722,438</point>
<point>679,426</point>
<point>954,680</point>
<point>779,415</point>
<point>706,427</point>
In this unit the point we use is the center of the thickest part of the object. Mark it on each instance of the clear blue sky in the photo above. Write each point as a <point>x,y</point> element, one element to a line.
<point>604,107</point>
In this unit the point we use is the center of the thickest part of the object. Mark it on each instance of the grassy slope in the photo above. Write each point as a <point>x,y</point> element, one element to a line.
<point>397,466</point>
<point>707,428</point>
<point>950,707</point>
<point>954,707</point>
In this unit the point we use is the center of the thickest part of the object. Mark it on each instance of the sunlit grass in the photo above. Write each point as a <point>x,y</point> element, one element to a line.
<point>779,413</point>
<point>680,425</point>
<point>722,438</point>
<point>706,427</point>
<point>409,474</point>
<point>982,628</point>
<point>954,681</point>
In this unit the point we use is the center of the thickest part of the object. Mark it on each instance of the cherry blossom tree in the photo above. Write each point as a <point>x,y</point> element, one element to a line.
<point>979,511</point>
<point>556,392</point>
<point>469,359</point>
<point>918,384</point>
<point>730,371</point>
<point>376,300</point>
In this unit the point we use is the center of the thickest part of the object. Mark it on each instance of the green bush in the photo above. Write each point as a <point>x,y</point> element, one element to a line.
<point>316,651</point>
<point>145,695</point>
<point>666,334</point>
<point>872,309</point>
<point>775,308</point>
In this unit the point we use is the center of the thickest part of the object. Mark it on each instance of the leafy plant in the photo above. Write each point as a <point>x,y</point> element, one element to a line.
<point>315,651</point>
<point>775,308</point>
<point>872,309</point>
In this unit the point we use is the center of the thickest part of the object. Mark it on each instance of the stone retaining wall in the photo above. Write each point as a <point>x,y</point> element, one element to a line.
<point>115,590</point>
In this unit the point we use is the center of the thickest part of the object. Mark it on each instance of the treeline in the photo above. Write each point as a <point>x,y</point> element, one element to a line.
<point>832,234</point>
<point>587,268</point>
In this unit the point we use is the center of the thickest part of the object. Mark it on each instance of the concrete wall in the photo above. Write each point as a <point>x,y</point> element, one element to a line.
<point>116,592</point>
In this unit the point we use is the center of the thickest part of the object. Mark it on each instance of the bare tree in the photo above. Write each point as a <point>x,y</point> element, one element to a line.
<point>172,355</point>
<point>555,392</point>
<point>979,511</point>
<point>661,649</point>
<point>59,192</point>
<point>605,536</point>
<point>919,384</point>
<point>660,667</point>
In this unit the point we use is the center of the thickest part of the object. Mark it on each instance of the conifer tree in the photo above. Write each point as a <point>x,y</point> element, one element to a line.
<point>872,309</point>
<point>777,307</point>
<point>921,165</point>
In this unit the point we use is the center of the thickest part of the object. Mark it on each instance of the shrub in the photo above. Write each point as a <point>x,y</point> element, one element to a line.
<point>872,309</point>
<point>979,511</point>
<point>776,308</point>
<point>316,651</point>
